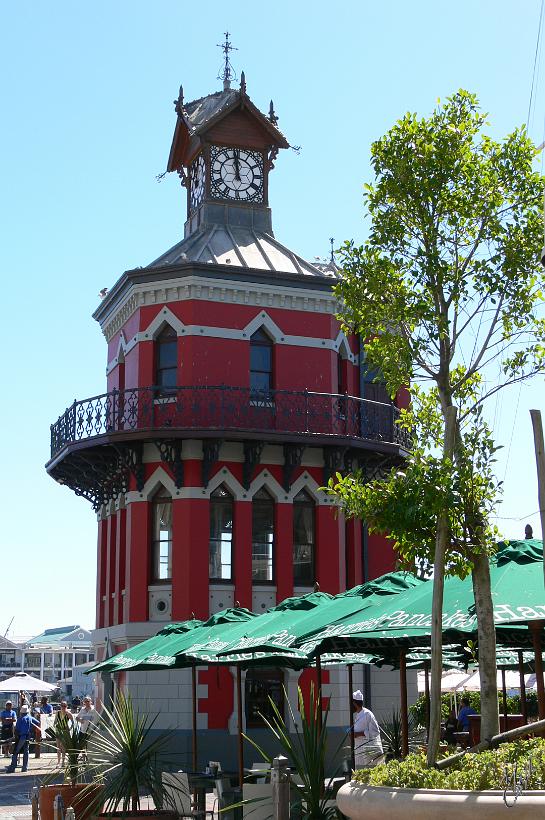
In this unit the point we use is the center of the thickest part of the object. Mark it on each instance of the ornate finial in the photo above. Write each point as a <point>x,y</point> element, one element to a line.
<point>332,252</point>
<point>242,82</point>
<point>316,586</point>
<point>192,616</point>
<point>179,103</point>
<point>227,72</point>
<point>272,116</point>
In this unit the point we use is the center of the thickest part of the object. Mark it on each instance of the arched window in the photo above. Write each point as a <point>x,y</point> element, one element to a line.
<point>261,364</point>
<point>220,565</point>
<point>161,548</point>
<point>304,538</point>
<point>341,375</point>
<point>262,536</point>
<point>166,361</point>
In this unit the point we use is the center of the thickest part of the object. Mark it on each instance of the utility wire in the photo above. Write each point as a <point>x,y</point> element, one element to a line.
<point>538,42</point>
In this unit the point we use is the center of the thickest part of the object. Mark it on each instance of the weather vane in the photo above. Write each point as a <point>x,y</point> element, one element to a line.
<point>227,72</point>
<point>332,252</point>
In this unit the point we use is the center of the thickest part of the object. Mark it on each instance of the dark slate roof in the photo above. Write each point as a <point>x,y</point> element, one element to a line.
<point>206,108</point>
<point>222,244</point>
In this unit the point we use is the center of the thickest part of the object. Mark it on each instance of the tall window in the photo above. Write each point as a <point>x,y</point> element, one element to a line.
<point>341,375</point>
<point>166,358</point>
<point>262,684</point>
<point>162,538</point>
<point>262,536</point>
<point>303,539</point>
<point>221,535</point>
<point>261,363</point>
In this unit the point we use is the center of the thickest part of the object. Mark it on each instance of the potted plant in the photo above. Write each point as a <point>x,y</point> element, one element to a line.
<point>306,751</point>
<point>128,757</point>
<point>76,791</point>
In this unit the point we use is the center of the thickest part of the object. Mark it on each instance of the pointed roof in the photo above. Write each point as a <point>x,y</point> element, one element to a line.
<point>196,117</point>
<point>224,244</point>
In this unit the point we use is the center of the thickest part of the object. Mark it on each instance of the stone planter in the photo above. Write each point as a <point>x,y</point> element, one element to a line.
<point>386,803</point>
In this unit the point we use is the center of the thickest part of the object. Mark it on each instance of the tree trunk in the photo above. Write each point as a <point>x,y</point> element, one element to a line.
<point>490,722</point>
<point>441,543</point>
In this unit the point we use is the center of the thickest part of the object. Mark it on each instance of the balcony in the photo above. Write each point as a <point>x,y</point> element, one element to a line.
<point>98,439</point>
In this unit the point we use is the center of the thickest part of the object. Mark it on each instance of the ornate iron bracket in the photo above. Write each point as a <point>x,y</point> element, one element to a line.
<point>171,454</point>
<point>374,469</point>
<point>210,453</point>
<point>293,453</point>
<point>334,461</point>
<point>271,157</point>
<point>252,454</point>
<point>131,458</point>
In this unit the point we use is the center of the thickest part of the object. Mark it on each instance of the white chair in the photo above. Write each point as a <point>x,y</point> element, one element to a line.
<point>261,768</point>
<point>177,795</point>
<point>261,809</point>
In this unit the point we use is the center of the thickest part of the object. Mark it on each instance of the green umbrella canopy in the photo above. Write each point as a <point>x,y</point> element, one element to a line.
<point>130,658</point>
<point>159,652</point>
<point>281,636</point>
<point>276,619</point>
<point>518,596</point>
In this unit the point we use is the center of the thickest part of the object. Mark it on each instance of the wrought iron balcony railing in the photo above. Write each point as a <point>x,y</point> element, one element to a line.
<point>227,409</point>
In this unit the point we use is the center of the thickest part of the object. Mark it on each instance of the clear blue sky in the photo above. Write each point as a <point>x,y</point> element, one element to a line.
<point>86,95</point>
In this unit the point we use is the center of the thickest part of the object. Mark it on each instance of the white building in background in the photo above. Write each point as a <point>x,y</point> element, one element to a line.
<point>51,656</point>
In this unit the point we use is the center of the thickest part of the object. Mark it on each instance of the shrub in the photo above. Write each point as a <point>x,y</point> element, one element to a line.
<point>476,772</point>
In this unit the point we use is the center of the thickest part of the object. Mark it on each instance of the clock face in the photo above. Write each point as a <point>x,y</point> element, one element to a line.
<point>197,177</point>
<point>237,174</point>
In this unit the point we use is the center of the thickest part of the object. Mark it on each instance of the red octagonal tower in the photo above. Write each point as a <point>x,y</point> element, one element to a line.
<point>232,396</point>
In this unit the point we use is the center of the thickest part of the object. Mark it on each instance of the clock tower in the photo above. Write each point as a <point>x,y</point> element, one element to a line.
<point>233,395</point>
<point>223,150</point>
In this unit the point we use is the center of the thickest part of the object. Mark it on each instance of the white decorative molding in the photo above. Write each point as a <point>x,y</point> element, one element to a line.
<point>261,319</point>
<point>158,478</point>
<point>234,292</point>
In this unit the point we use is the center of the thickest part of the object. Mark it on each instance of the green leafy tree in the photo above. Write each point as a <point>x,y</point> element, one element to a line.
<point>446,292</point>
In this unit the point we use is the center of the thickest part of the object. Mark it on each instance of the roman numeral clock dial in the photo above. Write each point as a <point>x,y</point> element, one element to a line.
<point>237,174</point>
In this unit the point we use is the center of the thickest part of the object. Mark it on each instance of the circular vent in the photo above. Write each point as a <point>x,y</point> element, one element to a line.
<point>161,606</point>
<point>81,636</point>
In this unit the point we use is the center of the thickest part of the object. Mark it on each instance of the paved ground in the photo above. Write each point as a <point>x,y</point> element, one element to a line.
<point>15,789</point>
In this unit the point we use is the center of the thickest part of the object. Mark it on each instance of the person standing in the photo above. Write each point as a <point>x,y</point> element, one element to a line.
<point>45,706</point>
<point>23,729</point>
<point>8,719</point>
<point>63,718</point>
<point>87,717</point>
<point>368,751</point>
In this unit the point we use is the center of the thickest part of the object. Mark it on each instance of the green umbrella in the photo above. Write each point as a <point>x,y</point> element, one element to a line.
<point>516,574</point>
<point>280,637</point>
<point>154,646</point>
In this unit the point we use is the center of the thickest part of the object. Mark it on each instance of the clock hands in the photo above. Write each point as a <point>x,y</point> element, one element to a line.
<point>237,164</point>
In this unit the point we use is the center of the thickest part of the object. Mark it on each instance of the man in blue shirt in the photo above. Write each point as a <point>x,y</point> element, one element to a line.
<point>23,729</point>
<point>45,707</point>
<point>463,715</point>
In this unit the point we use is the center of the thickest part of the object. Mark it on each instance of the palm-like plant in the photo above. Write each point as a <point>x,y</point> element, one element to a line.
<point>306,749</point>
<point>67,734</point>
<point>391,731</point>
<point>124,755</point>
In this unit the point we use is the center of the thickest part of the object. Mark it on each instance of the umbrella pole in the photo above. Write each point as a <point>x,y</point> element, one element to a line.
<point>427,697</point>
<point>535,628</point>
<point>194,714</point>
<point>319,703</point>
<point>350,716</point>
<point>523,707</point>
<point>240,738</point>
<point>504,693</point>
<point>403,700</point>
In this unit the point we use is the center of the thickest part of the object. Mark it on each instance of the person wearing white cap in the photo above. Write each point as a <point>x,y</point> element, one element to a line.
<point>368,751</point>
<point>23,729</point>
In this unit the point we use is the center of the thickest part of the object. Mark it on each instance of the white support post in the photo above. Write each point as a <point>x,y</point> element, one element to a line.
<point>280,780</point>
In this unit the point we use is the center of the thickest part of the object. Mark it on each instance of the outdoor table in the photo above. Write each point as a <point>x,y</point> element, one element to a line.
<point>462,738</point>
<point>202,782</point>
